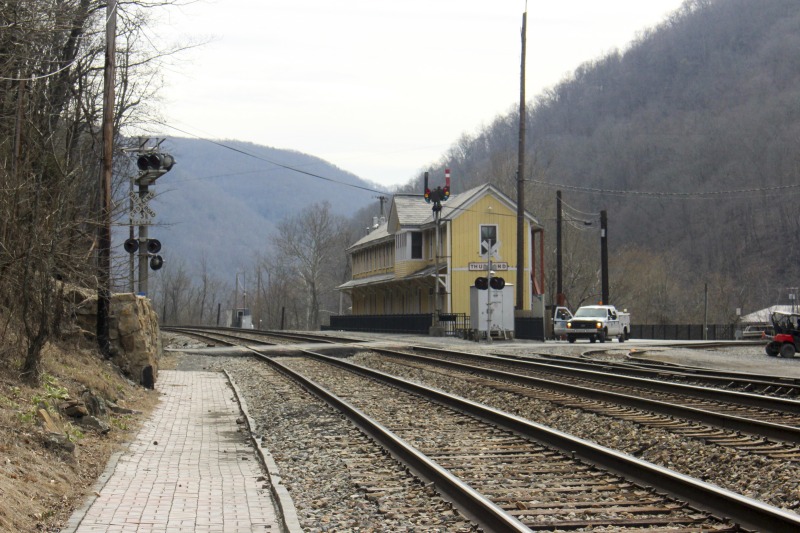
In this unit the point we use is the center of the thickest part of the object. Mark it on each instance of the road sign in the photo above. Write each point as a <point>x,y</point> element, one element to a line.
<point>140,211</point>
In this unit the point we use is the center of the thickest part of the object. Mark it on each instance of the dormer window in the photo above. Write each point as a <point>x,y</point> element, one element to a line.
<point>416,245</point>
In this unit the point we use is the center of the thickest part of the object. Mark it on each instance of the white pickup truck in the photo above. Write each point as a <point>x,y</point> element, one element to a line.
<point>595,322</point>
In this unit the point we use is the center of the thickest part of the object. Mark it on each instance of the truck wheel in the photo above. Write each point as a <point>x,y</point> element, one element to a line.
<point>771,349</point>
<point>788,350</point>
<point>602,336</point>
<point>571,338</point>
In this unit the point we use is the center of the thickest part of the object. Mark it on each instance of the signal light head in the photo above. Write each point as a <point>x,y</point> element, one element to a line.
<point>131,246</point>
<point>153,165</point>
<point>482,283</point>
<point>155,161</point>
<point>497,283</point>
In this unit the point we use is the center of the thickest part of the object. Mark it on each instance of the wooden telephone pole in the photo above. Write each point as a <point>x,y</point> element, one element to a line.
<point>521,179</point>
<point>104,229</point>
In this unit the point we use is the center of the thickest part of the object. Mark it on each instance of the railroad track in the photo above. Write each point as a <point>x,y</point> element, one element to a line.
<point>339,479</point>
<point>785,387</point>
<point>231,336</point>
<point>752,430</point>
<point>744,518</point>
<point>690,422</point>
<point>544,479</point>
<point>768,409</point>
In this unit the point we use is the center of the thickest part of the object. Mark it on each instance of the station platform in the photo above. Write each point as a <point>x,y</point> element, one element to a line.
<point>192,467</point>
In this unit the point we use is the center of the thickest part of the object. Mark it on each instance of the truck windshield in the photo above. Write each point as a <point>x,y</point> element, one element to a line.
<point>593,313</point>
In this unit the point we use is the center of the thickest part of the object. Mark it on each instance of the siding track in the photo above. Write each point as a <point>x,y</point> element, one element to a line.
<point>544,489</point>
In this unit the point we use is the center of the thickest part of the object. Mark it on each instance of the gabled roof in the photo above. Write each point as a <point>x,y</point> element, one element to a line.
<point>764,315</point>
<point>408,210</point>
<point>379,233</point>
<point>411,211</point>
<point>460,202</point>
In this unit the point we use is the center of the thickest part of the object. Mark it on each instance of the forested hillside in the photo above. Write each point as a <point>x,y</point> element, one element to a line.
<point>221,202</point>
<point>689,140</point>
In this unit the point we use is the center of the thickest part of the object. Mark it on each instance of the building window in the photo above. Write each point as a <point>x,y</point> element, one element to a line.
<point>416,245</point>
<point>488,236</point>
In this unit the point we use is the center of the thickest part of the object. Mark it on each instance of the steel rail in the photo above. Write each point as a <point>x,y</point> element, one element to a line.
<point>742,398</point>
<point>747,512</point>
<point>309,337</point>
<point>470,502</point>
<point>643,368</point>
<point>200,334</point>
<point>760,428</point>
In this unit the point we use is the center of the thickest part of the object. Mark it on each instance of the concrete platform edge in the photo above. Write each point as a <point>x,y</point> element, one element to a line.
<point>280,494</point>
<point>79,514</point>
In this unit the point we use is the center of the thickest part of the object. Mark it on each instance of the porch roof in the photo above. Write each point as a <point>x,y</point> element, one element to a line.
<point>388,278</point>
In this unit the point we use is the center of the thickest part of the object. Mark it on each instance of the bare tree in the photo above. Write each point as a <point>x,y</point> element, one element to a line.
<point>50,103</point>
<point>313,243</point>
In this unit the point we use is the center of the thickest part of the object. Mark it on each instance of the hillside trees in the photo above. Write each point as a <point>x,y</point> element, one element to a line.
<point>688,139</point>
<point>290,285</point>
<point>51,58</point>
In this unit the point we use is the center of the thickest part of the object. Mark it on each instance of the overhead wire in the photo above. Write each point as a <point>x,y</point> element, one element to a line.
<point>696,195</point>
<point>281,165</point>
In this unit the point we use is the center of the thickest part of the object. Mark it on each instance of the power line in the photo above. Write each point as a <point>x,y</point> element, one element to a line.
<point>699,195</point>
<point>287,167</point>
<point>576,210</point>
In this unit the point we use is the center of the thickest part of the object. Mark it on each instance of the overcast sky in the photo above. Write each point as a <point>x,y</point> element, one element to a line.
<point>378,88</point>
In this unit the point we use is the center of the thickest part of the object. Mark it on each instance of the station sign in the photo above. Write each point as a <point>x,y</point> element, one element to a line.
<point>483,267</point>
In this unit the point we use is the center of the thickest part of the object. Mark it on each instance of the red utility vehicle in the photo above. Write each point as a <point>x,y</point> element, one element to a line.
<point>786,341</point>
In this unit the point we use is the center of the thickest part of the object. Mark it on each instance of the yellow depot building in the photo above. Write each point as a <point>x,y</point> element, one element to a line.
<point>395,267</point>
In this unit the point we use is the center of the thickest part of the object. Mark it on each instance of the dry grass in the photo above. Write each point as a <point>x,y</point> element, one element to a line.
<point>41,485</point>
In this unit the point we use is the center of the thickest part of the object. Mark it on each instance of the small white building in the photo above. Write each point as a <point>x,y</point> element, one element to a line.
<point>238,318</point>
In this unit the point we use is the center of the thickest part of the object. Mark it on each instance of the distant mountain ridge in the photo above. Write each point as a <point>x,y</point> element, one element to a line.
<point>222,199</point>
<point>662,135</point>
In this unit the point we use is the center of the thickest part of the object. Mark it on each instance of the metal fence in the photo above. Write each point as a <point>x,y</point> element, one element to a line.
<point>683,332</point>
<point>454,324</point>
<point>416,323</point>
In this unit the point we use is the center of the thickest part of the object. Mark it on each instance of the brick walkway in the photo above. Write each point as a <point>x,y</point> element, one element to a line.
<point>189,469</point>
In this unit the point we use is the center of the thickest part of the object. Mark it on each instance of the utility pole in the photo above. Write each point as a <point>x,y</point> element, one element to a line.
<point>104,237</point>
<point>521,178</point>
<point>604,254</point>
<point>560,300</point>
<point>143,240</point>
<point>131,238</point>
<point>437,196</point>
<point>705,312</point>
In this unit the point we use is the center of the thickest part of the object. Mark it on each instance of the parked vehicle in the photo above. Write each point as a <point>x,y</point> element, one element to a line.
<point>598,323</point>
<point>560,318</point>
<point>786,341</point>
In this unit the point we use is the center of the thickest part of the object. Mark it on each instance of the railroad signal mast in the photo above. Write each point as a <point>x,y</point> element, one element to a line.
<point>437,196</point>
<point>152,164</point>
